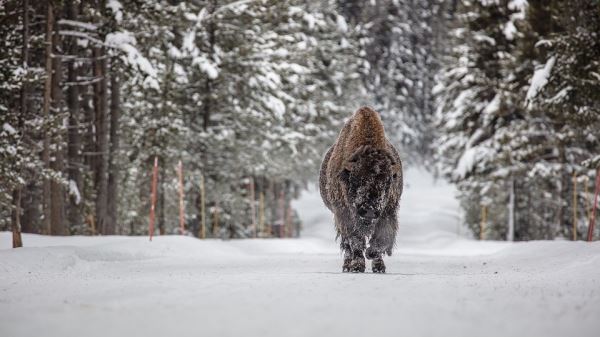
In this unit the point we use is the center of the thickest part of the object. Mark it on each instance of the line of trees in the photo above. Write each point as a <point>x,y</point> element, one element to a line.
<point>92,90</point>
<point>519,113</point>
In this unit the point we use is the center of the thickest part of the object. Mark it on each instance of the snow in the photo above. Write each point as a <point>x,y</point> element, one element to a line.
<point>116,7</point>
<point>465,163</point>
<point>484,38</point>
<point>539,80</point>
<point>74,191</point>
<point>8,128</point>
<point>341,24</point>
<point>520,5</point>
<point>438,282</point>
<point>126,42</point>
<point>208,67</point>
<point>275,105</point>
<point>310,20</point>
<point>78,24</point>
<point>240,4</point>
<point>510,30</point>
<point>493,106</point>
<point>82,35</point>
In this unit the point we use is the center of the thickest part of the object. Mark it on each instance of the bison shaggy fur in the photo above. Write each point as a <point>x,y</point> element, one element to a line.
<point>361,183</point>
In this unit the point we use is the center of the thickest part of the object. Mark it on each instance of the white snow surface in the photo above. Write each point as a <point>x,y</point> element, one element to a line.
<point>116,7</point>
<point>8,128</point>
<point>539,80</point>
<point>439,283</point>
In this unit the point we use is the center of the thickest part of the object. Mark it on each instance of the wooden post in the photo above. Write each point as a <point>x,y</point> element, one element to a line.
<point>593,217</point>
<point>153,197</point>
<point>92,222</point>
<point>202,233</point>
<point>510,236</point>
<point>181,205</point>
<point>17,241</point>
<point>252,208</point>
<point>574,206</point>
<point>483,221</point>
<point>282,209</point>
<point>288,222</point>
<point>216,219</point>
<point>587,199</point>
<point>261,211</point>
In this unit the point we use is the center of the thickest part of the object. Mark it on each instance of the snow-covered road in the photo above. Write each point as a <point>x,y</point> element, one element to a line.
<point>438,284</point>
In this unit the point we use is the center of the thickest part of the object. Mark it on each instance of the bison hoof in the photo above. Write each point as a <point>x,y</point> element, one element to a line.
<point>378,266</point>
<point>357,266</point>
<point>346,266</point>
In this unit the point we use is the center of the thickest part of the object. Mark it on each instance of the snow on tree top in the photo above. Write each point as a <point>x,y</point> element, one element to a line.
<point>539,80</point>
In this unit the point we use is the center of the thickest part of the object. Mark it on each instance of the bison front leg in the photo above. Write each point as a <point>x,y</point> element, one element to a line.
<point>381,242</point>
<point>353,243</point>
<point>356,254</point>
<point>354,259</point>
<point>375,254</point>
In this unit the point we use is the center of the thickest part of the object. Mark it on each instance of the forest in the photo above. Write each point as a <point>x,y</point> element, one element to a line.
<point>500,97</point>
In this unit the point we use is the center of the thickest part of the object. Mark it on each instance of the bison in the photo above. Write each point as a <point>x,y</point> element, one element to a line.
<point>361,183</point>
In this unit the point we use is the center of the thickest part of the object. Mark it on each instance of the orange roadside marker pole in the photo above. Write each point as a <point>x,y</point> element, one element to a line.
<point>181,206</point>
<point>153,197</point>
<point>593,218</point>
<point>202,208</point>
<point>574,206</point>
<point>483,221</point>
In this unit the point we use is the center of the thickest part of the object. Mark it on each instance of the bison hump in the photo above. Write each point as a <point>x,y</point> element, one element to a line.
<point>366,129</point>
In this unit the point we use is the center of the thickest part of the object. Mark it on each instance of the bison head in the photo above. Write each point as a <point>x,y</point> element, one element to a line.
<point>367,178</point>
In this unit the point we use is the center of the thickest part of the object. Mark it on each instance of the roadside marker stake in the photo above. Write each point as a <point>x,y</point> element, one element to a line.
<point>593,218</point>
<point>181,207</point>
<point>483,221</point>
<point>202,208</point>
<point>153,197</point>
<point>574,206</point>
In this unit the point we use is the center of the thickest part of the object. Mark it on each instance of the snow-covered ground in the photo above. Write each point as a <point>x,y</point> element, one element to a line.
<point>438,283</point>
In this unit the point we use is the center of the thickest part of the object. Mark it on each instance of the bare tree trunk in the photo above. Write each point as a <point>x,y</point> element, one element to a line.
<point>16,219</point>
<point>57,193</point>
<point>113,170</point>
<point>101,165</point>
<point>46,111</point>
<point>30,202</point>
<point>161,198</point>
<point>74,210</point>
<point>208,83</point>
<point>510,236</point>
<point>563,193</point>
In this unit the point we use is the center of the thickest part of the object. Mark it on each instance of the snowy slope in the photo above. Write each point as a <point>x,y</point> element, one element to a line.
<point>438,284</point>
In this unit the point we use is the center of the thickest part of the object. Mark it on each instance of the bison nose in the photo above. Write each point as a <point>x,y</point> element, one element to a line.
<point>367,213</point>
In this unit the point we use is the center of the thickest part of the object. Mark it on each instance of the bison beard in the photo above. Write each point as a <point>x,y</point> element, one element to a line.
<point>361,183</point>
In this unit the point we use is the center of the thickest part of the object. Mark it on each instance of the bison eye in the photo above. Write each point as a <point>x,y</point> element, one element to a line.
<point>395,175</point>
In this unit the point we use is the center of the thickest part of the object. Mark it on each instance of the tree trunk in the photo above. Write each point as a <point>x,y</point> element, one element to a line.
<point>511,212</point>
<point>46,111</point>
<point>208,83</point>
<point>31,201</point>
<point>101,162</point>
<point>74,210</point>
<point>161,198</point>
<point>57,193</point>
<point>16,219</point>
<point>113,169</point>
<point>563,194</point>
